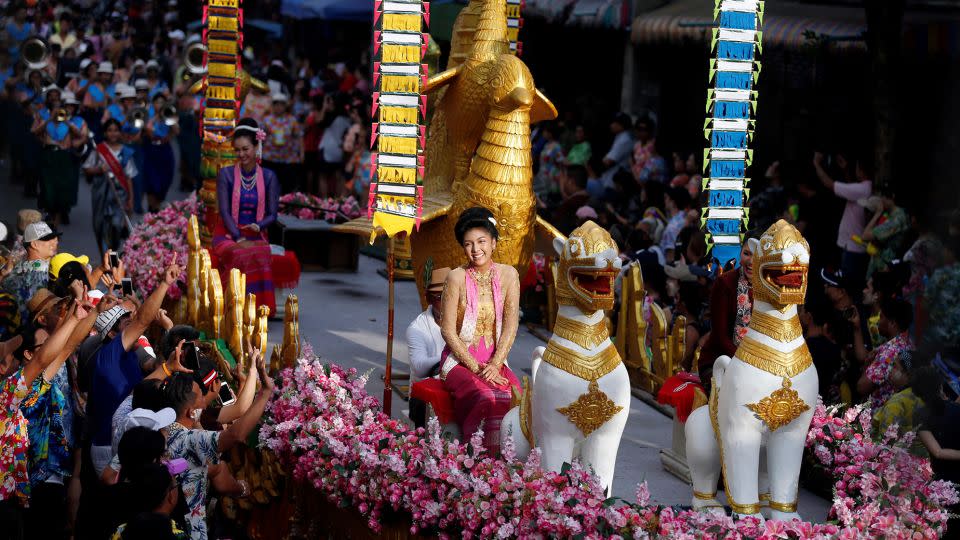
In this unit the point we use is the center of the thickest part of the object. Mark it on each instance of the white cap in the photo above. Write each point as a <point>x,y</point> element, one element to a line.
<point>141,84</point>
<point>279,96</point>
<point>278,63</point>
<point>69,98</point>
<point>85,63</point>
<point>105,67</point>
<point>153,64</point>
<point>52,88</point>
<point>38,231</point>
<point>125,91</point>
<point>149,419</point>
<point>108,319</point>
<point>138,63</point>
<point>177,35</point>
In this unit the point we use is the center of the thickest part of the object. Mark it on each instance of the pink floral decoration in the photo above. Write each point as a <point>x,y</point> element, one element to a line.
<point>151,246</point>
<point>310,207</point>
<point>325,427</point>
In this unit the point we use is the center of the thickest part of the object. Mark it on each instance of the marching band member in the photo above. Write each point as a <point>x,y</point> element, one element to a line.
<point>58,168</point>
<point>158,155</point>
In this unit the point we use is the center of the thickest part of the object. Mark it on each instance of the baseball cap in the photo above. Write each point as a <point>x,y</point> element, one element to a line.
<point>52,88</point>
<point>41,302</point>
<point>39,231</point>
<point>141,84</point>
<point>105,67</point>
<point>60,259</point>
<point>279,96</point>
<point>125,91</point>
<point>108,319</point>
<point>153,64</point>
<point>149,419</point>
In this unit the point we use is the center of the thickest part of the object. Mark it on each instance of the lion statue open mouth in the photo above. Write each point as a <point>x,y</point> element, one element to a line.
<point>578,402</point>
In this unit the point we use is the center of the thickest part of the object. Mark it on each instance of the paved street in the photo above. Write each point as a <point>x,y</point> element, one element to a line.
<point>344,316</point>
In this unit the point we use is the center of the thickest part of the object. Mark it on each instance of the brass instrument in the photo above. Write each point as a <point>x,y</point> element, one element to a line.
<point>35,53</point>
<point>169,115</point>
<point>61,115</point>
<point>137,117</point>
<point>193,58</point>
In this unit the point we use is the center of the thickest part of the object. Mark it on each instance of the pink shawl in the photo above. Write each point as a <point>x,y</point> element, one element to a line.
<point>261,195</point>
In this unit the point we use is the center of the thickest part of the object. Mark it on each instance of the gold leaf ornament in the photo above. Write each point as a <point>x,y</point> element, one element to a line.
<point>590,410</point>
<point>780,408</point>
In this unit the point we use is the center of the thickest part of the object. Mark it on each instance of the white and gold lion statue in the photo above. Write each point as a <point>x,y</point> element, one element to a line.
<point>763,397</point>
<point>579,400</point>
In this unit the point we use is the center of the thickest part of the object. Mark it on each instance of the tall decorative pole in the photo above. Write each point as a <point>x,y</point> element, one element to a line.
<point>731,106</point>
<point>224,85</point>
<point>400,43</point>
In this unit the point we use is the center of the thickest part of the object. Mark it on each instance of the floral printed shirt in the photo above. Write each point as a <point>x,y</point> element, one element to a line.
<point>744,308</point>
<point>890,236</point>
<point>27,277</point>
<point>879,369</point>
<point>47,411</point>
<point>548,176</point>
<point>200,449</point>
<point>904,409</point>
<point>13,440</point>
<point>284,139</point>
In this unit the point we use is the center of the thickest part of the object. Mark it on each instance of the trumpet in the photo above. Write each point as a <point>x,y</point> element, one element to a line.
<point>137,117</point>
<point>62,115</point>
<point>169,115</point>
<point>35,53</point>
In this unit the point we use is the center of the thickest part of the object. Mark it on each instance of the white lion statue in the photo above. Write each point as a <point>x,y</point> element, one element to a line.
<point>579,401</point>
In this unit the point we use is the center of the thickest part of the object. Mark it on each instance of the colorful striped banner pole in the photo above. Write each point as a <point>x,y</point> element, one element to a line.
<point>400,42</point>
<point>731,107</point>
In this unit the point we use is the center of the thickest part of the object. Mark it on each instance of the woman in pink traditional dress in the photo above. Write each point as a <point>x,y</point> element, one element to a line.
<point>248,197</point>
<point>480,316</point>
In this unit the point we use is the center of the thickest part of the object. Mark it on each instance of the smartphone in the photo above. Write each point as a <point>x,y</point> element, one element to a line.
<point>126,284</point>
<point>114,259</point>
<point>226,394</point>
<point>191,357</point>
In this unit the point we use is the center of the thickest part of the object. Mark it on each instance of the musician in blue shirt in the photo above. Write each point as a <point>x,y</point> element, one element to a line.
<point>59,170</point>
<point>158,156</point>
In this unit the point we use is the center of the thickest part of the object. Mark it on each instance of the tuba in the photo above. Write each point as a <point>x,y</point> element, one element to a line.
<point>35,53</point>
<point>169,115</point>
<point>193,57</point>
<point>137,117</point>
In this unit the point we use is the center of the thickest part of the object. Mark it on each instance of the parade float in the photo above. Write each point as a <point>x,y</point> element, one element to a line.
<point>331,460</point>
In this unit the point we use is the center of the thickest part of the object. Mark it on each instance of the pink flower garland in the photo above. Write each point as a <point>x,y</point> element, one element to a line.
<point>310,207</point>
<point>329,431</point>
<point>152,244</point>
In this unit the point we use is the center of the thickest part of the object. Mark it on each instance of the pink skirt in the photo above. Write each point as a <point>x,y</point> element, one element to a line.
<point>478,404</point>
